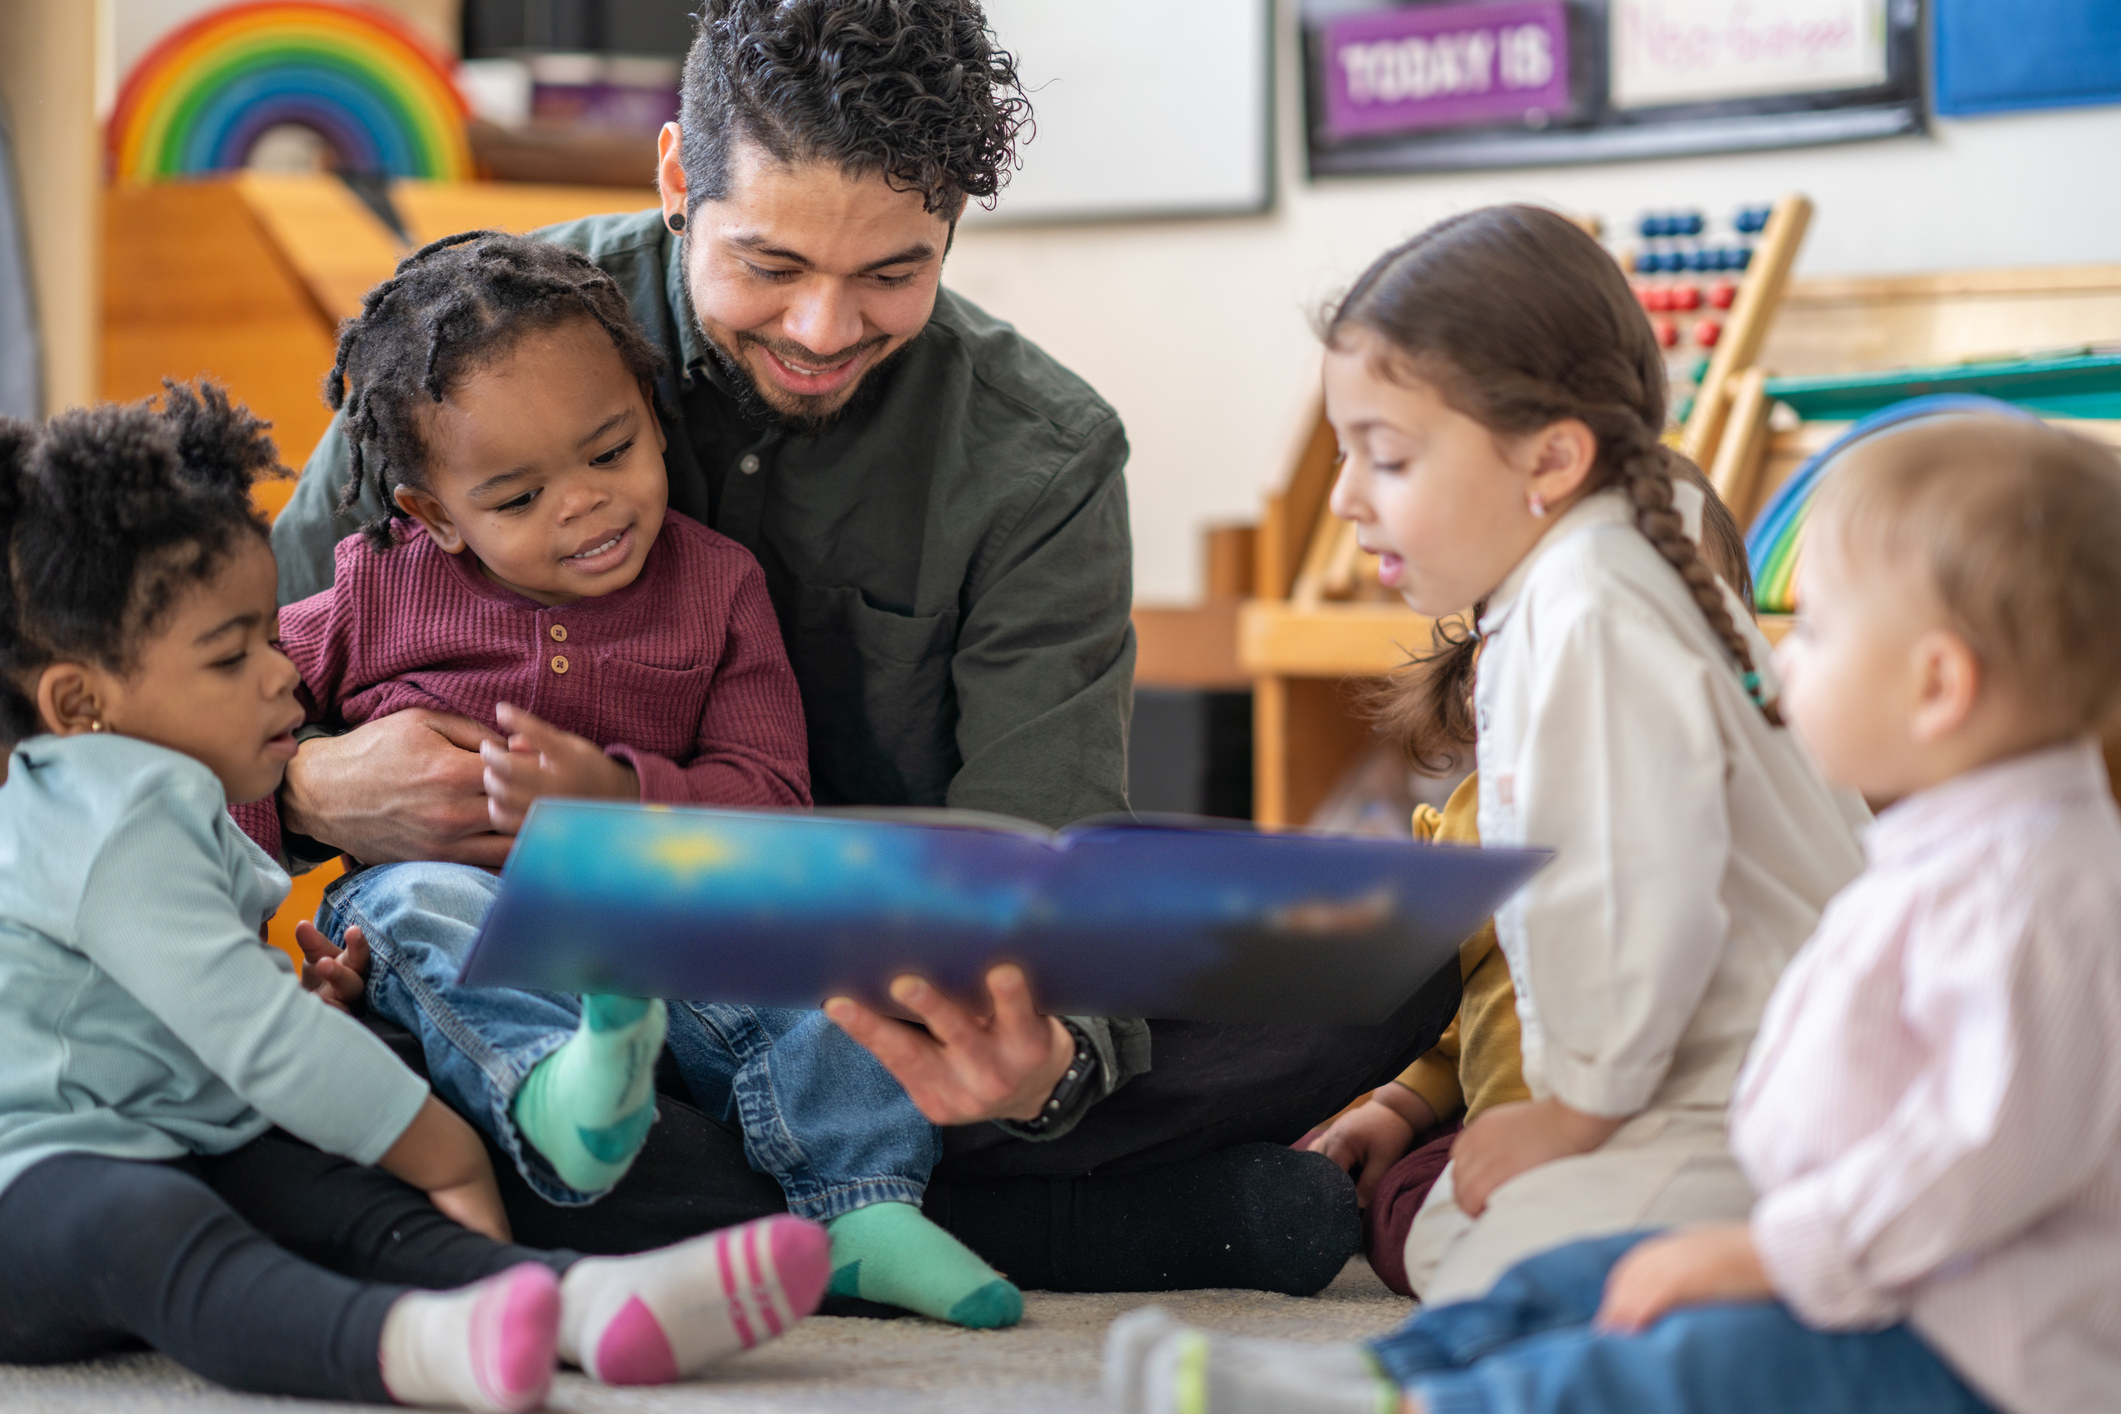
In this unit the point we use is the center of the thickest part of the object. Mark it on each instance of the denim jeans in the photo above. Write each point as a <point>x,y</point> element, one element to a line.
<point>1527,1347</point>
<point>817,1111</point>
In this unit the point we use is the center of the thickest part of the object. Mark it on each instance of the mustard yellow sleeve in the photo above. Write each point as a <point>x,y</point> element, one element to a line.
<point>1435,1076</point>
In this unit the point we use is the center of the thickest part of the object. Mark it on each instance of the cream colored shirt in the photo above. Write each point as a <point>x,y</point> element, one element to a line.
<point>1695,845</point>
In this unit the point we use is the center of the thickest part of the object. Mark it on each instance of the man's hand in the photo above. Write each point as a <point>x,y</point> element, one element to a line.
<point>1714,1262</point>
<point>1503,1142</point>
<point>1375,1135</point>
<point>441,1155</point>
<point>540,759</point>
<point>404,787</point>
<point>338,975</point>
<point>966,1068</point>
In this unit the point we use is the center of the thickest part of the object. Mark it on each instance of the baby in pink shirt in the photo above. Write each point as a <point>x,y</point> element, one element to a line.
<point>1931,1113</point>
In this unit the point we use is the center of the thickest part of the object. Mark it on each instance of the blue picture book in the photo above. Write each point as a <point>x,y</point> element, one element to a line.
<point>1155,918</point>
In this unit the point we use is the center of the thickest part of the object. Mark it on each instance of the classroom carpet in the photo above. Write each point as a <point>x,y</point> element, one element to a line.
<point>827,1365</point>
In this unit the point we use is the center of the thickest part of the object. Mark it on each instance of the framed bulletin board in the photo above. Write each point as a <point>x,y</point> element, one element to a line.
<point>1145,108</point>
<point>1436,85</point>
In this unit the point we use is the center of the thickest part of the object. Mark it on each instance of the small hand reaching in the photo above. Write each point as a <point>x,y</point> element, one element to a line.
<point>1689,1267</point>
<point>1507,1140</point>
<point>443,1157</point>
<point>339,976</point>
<point>540,759</point>
<point>1375,1135</point>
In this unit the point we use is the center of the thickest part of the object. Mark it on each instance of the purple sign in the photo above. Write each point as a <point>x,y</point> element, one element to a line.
<point>1446,66</point>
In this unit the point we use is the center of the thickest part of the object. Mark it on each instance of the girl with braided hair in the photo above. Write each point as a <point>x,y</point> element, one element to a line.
<point>154,1040</point>
<point>528,572</point>
<point>1498,396</point>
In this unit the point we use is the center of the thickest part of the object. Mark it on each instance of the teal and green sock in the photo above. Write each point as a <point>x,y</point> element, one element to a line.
<point>888,1252</point>
<point>587,1106</point>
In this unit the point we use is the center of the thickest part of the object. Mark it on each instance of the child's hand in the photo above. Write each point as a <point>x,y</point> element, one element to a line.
<point>1372,1137</point>
<point>1505,1141</point>
<point>338,975</point>
<point>441,1155</point>
<point>1715,1262</point>
<point>540,759</point>
<point>475,1204</point>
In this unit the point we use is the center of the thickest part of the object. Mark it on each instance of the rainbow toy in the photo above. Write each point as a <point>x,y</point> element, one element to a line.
<point>372,89</point>
<point>1777,537</point>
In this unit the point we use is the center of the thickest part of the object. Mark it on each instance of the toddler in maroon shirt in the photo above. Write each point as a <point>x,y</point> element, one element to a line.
<point>528,572</point>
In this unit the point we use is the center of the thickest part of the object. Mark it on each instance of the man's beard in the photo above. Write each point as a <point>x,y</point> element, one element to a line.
<point>810,415</point>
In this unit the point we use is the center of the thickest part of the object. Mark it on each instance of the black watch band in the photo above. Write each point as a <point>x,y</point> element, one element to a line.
<point>1081,1071</point>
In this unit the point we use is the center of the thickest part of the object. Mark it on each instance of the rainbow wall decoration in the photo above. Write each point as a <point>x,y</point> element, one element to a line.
<point>1776,542</point>
<point>370,87</point>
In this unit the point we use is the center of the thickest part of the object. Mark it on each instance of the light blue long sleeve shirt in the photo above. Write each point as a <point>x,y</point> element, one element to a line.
<point>141,1014</point>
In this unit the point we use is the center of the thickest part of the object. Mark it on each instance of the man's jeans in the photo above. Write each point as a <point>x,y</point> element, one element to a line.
<point>818,1112</point>
<point>1528,1347</point>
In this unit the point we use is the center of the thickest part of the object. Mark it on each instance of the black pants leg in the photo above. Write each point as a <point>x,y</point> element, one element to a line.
<point>357,1221</point>
<point>1215,1085</point>
<point>1179,1180</point>
<point>104,1254</point>
<point>1184,1178</point>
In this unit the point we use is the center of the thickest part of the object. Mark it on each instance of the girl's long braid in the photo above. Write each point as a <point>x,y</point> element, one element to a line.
<point>1643,470</point>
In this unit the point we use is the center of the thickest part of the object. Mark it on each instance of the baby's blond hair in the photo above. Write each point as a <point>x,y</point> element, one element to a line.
<point>2017,528</point>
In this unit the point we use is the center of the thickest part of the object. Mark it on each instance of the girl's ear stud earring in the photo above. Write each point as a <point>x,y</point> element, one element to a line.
<point>98,726</point>
<point>1538,505</point>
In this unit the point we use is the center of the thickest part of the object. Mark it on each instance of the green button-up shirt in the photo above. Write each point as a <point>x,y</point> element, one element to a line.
<point>950,560</point>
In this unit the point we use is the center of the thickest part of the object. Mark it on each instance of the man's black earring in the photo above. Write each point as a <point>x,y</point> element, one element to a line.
<point>675,220</point>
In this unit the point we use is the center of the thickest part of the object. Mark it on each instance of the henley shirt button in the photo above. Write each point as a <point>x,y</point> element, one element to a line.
<point>559,664</point>
<point>749,464</point>
<point>559,633</point>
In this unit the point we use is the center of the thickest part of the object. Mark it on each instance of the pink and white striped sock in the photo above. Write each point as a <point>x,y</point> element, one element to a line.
<point>490,1347</point>
<point>663,1315</point>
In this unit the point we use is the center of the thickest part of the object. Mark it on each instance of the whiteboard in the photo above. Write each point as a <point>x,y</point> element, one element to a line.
<point>1143,107</point>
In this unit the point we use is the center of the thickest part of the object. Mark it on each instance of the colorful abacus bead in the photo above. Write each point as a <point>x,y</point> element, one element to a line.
<point>1667,332</point>
<point>1723,294</point>
<point>1707,332</point>
<point>1686,297</point>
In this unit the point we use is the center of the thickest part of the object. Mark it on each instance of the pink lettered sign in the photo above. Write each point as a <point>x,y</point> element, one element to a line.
<point>1446,66</point>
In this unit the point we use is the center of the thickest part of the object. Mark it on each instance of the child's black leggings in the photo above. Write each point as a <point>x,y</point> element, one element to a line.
<point>269,1269</point>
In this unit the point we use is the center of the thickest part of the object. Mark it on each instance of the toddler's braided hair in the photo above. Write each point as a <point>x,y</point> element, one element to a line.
<point>106,517</point>
<point>1520,319</point>
<point>453,307</point>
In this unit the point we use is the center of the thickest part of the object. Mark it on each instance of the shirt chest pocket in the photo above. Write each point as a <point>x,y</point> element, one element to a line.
<point>651,709</point>
<point>878,697</point>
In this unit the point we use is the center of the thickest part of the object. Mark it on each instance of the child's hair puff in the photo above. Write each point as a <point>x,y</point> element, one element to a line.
<point>454,306</point>
<point>106,516</point>
<point>1520,319</point>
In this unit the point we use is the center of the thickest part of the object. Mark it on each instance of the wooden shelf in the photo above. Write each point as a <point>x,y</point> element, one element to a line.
<point>1277,638</point>
<point>1189,647</point>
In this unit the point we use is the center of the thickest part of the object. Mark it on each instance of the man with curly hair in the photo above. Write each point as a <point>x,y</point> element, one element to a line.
<point>940,511</point>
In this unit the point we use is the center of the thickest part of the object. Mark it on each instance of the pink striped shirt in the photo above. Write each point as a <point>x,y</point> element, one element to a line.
<point>1932,1111</point>
<point>681,674</point>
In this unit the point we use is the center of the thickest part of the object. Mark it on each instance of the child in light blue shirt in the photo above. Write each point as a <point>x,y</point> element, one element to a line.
<point>175,1111</point>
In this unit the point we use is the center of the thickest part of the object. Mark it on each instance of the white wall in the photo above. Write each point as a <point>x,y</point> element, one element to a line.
<point>1198,331</point>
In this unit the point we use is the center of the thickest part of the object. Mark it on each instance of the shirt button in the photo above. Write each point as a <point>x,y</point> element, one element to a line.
<point>749,464</point>
<point>559,664</point>
<point>559,633</point>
